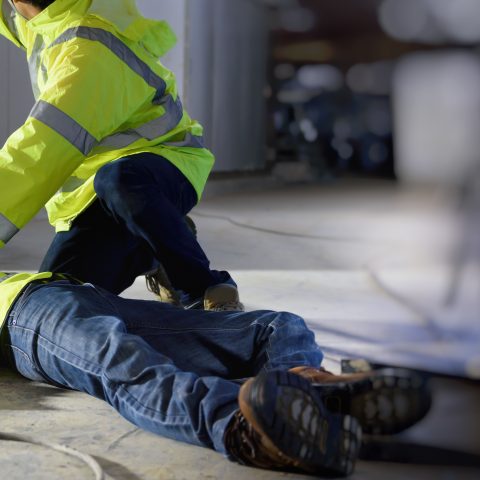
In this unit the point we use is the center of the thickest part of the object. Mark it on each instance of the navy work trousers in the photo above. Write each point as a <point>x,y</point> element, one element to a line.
<point>136,223</point>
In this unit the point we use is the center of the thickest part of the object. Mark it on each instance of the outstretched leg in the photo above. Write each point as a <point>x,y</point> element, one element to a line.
<point>73,336</point>
<point>231,345</point>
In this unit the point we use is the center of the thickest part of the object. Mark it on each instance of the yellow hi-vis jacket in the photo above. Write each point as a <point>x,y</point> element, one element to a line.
<point>101,94</point>
<point>11,285</point>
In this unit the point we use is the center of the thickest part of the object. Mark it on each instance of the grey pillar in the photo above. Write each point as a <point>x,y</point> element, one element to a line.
<point>220,64</point>
<point>16,97</point>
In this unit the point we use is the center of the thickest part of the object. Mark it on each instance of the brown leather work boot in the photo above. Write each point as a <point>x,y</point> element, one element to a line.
<point>159,284</point>
<point>283,425</point>
<point>222,298</point>
<point>384,401</point>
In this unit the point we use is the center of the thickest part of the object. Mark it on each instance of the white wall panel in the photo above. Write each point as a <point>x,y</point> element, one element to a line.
<point>16,98</point>
<point>220,63</point>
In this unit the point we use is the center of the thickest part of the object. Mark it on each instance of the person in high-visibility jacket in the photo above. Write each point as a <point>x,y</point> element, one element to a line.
<point>108,148</point>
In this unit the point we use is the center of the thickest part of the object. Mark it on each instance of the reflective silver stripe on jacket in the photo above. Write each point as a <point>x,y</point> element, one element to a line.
<point>118,48</point>
<point>7,229</point>
<point>64,125</point>
<point>166,123</point>
<point>34,64</point>
<point>173,108</point>
<point>155,128</point>
<point>81,138</point>
<point>190,141</point>
<point>158,127</point>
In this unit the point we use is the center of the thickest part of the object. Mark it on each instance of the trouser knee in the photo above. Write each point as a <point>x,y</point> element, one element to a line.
<point>118,185</point>
<point>112,177</point>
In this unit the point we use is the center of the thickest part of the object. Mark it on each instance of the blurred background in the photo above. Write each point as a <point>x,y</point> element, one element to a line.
<point>346,187</point>
<point>381,88</point>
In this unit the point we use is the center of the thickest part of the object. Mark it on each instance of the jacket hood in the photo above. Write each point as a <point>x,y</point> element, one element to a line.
<point>156,36</point>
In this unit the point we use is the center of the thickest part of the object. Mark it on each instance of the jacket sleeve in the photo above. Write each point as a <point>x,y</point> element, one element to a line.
<point>84,101</point>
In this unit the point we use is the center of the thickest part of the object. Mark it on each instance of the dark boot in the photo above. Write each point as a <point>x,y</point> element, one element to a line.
<point>384,401</point>
<point>283,425</point>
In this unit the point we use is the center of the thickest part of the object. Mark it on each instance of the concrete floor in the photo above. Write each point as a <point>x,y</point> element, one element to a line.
<point>367,265</point>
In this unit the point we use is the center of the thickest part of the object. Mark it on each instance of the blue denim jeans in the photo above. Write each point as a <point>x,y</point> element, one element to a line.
<point>170,371</point>
<point>136,222</point>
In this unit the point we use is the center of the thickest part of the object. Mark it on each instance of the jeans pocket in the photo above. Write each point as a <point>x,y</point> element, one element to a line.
<point>20,361</point>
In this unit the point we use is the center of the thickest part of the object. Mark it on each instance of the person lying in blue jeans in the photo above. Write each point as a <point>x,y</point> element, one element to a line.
<point>248,385</point>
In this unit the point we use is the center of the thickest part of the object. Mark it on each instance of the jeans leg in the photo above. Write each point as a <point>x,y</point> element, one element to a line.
<point>231,345</point>
<point>100,251</point>
<point>73,336</point>
<point>150,197</point>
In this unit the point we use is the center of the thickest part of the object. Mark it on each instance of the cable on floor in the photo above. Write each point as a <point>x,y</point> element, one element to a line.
<point>426,318</point>
<point>275,232</point>
<point>85,458</point>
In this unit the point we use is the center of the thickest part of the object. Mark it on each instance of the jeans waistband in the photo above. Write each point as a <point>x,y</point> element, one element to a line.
<point>56,277</point>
